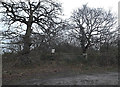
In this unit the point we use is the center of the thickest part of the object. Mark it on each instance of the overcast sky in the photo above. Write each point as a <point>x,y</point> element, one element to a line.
<point>69,5</point>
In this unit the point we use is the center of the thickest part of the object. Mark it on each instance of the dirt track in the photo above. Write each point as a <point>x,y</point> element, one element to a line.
<point>109,78</point>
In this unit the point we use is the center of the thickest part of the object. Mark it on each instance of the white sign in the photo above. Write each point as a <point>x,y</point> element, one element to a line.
<point>53,50</point>
<point>85,54</point>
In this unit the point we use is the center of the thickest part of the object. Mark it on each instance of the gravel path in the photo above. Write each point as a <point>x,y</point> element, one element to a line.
<point>109,78</point>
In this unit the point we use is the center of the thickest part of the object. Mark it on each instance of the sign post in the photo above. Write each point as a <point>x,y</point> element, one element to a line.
<point>85,55</point>
<point>52,53</point>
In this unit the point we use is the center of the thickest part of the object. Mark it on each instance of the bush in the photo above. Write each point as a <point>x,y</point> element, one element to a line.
<point>9,57</point>
<point>106,58</point>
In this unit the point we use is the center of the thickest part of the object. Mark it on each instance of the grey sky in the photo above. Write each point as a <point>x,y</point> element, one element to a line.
<point>69,5</point>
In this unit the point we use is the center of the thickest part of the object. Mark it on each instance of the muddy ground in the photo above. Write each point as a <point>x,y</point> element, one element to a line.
<point>108,78</point>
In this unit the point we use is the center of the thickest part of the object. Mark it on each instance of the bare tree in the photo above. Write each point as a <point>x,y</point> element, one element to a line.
<point>91,25</point>
<point>14,45</point>
<point>41,13</point>
<point>48,38</point>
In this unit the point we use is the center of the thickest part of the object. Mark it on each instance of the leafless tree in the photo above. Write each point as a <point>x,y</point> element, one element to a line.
<point>42,13</point>
<point>48,38</point>
<point>91,25</point>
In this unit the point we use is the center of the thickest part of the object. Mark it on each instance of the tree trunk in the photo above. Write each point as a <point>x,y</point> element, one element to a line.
<point>83,40</point>
<point>26,48</point>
